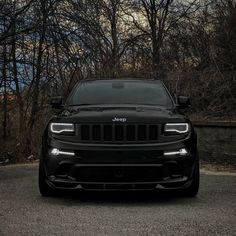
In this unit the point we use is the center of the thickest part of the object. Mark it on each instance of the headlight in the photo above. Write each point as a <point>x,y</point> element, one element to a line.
<point>58,128</point>
<point>180,128</point>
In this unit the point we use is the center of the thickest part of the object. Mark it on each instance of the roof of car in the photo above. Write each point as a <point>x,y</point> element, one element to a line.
<point>122,79</point>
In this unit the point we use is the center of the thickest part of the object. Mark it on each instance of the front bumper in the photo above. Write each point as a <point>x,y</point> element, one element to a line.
<point>119,167</point>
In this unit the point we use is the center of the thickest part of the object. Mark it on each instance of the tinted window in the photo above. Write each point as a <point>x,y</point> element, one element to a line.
<point>120,92</point>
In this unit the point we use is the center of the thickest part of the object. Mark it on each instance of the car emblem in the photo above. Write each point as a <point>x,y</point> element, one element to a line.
<point>116,119</point>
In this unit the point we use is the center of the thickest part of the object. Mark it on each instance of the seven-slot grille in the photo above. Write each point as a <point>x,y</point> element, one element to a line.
<point>118,133</point>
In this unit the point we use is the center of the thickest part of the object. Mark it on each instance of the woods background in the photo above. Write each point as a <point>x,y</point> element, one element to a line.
<point>46,46</point>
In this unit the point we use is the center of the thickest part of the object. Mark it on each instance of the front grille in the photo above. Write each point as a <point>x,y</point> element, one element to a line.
<point>118,133</point>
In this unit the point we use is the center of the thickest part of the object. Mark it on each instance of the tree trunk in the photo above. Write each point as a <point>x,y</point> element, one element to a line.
<point>16,81</point>
<point>4,77</point>
<point>114,54</point>
<point>35,95</point>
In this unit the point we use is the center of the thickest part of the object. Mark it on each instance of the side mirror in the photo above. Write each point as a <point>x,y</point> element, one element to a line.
<point>56,102</point>
<point>183,102</point>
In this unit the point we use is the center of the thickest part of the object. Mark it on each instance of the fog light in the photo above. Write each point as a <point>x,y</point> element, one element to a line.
<point>181,152</point>
<point>56,152</point>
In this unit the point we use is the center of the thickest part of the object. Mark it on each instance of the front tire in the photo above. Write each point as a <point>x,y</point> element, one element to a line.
<point>44,188</point>
<point>192,190</point>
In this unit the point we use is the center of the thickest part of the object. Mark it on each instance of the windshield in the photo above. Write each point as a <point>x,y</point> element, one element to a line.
<point>120,92</point>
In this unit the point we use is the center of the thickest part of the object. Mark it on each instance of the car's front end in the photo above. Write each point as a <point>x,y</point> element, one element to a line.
<point>119,147</point>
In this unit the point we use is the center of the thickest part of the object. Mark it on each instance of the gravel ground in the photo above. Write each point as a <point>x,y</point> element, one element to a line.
<point>24,212</point>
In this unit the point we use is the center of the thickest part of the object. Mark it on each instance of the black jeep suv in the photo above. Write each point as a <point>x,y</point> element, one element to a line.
<point>119,134</point>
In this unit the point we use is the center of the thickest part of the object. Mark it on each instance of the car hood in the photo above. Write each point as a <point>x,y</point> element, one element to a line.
<point>119,114</point>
